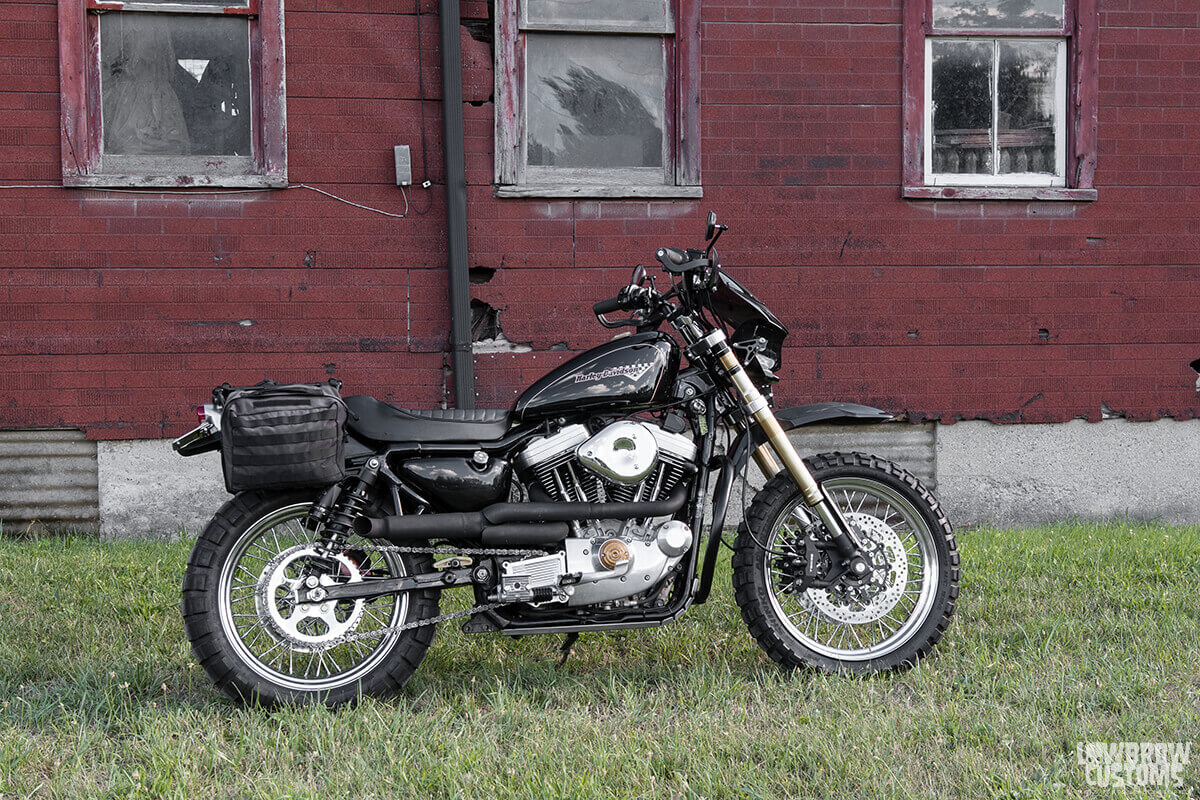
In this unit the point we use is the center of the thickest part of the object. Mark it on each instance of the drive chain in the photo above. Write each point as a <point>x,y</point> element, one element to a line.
<point>348,637</point>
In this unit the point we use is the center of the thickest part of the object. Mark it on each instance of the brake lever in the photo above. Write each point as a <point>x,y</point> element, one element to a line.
<point>617,323</point>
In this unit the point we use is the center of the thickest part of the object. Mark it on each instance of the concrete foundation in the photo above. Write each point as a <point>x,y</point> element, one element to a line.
<point>982,473</point>
<point>148,491</point>
<point>1031,474</point>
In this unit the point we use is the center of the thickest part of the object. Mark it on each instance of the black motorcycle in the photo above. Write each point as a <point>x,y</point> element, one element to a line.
<point>580,509</point>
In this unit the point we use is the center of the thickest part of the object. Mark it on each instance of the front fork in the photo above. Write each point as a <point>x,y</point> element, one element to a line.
<point>756,406</point>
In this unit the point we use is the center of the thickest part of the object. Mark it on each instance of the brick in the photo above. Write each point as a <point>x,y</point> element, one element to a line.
<point>111,296</point>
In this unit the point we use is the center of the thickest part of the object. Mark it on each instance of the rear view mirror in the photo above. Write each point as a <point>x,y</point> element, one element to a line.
<point>712,226</point>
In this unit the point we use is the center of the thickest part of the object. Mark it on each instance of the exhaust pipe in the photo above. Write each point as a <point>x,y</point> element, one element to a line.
<point>512,523</point>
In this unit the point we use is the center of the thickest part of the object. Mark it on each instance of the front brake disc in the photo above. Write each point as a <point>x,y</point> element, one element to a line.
<point>885,586</point>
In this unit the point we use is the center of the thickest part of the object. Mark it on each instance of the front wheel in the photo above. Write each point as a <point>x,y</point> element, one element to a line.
<point>259,645</point>
<point>889,618</point>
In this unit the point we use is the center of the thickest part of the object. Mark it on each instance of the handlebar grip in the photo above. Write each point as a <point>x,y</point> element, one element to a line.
<point>676,257</point>
<point>607,306</point>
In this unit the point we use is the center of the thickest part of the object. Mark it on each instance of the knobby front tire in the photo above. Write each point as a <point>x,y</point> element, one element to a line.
<point>258,647</point>
<point>890,625</point>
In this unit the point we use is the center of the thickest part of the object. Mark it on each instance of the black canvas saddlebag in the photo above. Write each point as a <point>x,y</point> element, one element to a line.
<point>281,436</point>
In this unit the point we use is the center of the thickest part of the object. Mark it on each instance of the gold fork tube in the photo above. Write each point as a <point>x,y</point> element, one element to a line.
<point>757,406</point>
<point>766,460</point>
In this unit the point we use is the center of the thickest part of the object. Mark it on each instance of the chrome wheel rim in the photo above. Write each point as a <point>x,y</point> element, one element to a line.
<point>296,648</point>
<point>894,609</point>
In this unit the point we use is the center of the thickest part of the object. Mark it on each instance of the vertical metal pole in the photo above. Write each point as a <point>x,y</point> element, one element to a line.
<point>456,205</point>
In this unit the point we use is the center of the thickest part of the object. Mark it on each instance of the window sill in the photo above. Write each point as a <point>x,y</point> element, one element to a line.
<point>600,191</point>
<point>175,181</point>
<point>999,193</point>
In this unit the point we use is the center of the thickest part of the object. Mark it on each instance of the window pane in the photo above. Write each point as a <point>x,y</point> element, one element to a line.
<point>221,3</point>
<point>1021,14</point>
<point>175,84</point>
<point>962,107</point>
<point>583,11</point>
<point>595,101</point>
<point>1025,124</point>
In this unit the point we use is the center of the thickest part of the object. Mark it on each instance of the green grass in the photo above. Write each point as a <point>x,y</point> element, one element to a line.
<point>1064,634</point>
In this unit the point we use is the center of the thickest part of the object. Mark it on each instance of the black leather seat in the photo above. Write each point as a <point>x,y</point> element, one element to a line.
<point>384,422</point>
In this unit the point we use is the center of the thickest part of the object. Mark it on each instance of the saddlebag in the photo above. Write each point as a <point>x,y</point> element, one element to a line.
<point>281,436</point>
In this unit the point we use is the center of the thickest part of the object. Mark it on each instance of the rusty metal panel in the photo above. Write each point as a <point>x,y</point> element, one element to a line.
<point>48,481</point>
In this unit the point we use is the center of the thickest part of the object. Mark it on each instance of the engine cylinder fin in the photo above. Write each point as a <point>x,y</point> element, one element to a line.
<point>554,463</point>
<point>623,493</point>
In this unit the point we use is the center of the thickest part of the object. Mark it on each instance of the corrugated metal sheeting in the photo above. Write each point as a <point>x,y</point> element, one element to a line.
<point>48,480</point>
<point>910,446</point>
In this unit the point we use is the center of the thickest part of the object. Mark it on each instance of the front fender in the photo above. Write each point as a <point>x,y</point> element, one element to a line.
<point>830,413</point>
<point>739,455</point>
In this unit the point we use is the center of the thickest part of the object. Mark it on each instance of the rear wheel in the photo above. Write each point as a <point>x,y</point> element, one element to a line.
<point>889,618</point>
<point>259,645</point>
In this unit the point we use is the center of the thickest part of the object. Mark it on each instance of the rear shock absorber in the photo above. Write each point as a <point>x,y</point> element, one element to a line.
<point>340,506</point>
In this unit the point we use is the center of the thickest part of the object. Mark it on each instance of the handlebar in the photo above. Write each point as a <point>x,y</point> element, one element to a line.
<point>676,257</point>
<point>641,299</point>
<point>608,306</point>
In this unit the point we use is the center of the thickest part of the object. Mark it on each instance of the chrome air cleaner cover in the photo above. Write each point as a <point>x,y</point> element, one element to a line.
<point>624,452</point>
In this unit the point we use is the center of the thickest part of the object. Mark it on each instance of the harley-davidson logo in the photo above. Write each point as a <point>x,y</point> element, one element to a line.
<point>632,371</point>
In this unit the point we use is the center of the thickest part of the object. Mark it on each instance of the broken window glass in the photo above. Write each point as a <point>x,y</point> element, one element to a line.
<point>1025,124</point>
<point>999,14</point>
<point>962,107</point>
<point>175,84</point>
<point>595,101</point>
<point>652,13</point>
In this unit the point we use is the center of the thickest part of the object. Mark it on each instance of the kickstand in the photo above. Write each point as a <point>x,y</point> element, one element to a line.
<point>567,644</point>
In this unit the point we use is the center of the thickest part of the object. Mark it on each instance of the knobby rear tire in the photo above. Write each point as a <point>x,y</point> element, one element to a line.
<point>233,666</point>
<point>758,592</point>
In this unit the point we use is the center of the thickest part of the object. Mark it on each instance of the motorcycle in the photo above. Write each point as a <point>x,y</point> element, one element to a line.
<point>580,509</point>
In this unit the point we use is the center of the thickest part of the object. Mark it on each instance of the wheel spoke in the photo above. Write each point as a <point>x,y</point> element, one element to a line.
<point>271,556</point>
<point>879,615</point>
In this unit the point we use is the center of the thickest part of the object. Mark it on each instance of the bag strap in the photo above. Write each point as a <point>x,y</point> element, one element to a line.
<point>330,389</point>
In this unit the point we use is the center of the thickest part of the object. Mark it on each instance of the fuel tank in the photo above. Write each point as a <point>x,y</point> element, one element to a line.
<point>625,374</point>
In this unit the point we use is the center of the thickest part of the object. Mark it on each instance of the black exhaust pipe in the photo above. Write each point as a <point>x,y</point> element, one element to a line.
<point>524,534</point>
<point>512,523</point>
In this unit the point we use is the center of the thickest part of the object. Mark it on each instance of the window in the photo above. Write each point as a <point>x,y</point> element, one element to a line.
<point>1000,99</point>
<point>172,93</point>
<point>597,98</point>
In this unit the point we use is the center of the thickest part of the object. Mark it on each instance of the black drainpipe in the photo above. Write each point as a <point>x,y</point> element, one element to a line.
<point>456,206</point>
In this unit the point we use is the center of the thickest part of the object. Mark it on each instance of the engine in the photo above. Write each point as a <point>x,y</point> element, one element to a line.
<point>625,462</point>
<point>604,561</point>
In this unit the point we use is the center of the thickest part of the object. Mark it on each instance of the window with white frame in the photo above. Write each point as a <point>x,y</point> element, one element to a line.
<point>172,93</point>
<point>1007,97</point>
<point>597,98</point>
<point>997,112</point>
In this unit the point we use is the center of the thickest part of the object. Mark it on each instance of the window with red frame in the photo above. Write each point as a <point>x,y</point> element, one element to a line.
<point>597,98</point>
<point>172,93</point>
<point>1000,99</point>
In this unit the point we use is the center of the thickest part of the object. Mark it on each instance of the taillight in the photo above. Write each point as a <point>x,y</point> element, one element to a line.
<point>200,413</point>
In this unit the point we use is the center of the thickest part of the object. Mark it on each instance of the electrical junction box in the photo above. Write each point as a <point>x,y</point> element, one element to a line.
<point>403,165</point>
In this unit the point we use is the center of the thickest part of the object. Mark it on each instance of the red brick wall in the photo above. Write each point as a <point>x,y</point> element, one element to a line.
<point>119,311</point>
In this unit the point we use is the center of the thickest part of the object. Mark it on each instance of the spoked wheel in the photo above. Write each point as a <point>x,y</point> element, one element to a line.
<point>891,616</point>
<point>257,642</point>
